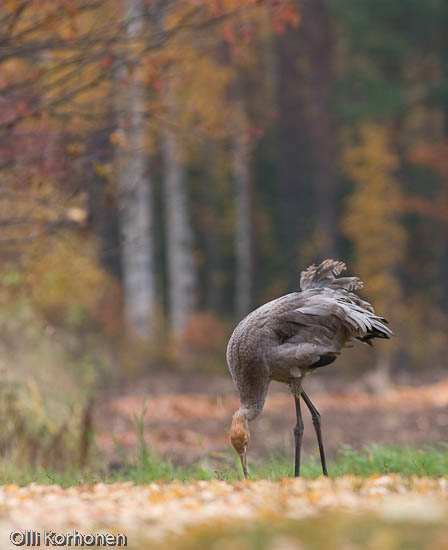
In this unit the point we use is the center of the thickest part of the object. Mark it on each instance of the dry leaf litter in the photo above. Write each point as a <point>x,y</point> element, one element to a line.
<point>159,510</point>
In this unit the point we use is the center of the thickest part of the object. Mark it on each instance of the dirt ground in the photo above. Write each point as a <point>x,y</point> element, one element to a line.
<point>187,417</point>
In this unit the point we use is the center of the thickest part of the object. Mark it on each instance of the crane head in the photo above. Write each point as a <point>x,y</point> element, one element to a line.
<point>239,437</point>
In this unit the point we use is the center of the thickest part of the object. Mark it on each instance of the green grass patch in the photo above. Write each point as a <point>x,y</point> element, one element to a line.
<point>376,459</point>
<point>147,466</point>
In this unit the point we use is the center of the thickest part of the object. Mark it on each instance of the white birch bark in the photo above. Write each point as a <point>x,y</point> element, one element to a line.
<point>181,269</point>
<point>134,187</point>
<point>243,216</point>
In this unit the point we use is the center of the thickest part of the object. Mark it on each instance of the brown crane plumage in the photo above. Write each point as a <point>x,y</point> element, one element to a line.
<point>291,336</point>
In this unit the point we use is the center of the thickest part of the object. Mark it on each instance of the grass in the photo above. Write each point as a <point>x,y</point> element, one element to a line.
<point>328,530</point>
<point>147,467</point>
<point>377,459</point>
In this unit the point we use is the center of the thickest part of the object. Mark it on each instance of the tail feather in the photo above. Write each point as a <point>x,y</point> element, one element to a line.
<point>357,315</point>
<point>366,323</point>
<point>324,275</point>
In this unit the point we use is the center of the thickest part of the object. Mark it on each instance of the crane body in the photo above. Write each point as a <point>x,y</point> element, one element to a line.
<point>291,336</point>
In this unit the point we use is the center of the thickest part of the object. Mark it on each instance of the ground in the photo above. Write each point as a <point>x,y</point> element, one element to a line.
<point>376,509</point>
<point>380,512</point>
<point>188,417</point>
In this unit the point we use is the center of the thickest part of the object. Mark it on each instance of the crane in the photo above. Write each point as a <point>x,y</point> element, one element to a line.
<point>291,336</point>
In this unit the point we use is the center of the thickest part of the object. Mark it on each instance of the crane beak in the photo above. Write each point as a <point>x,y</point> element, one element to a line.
<point>244,463</point>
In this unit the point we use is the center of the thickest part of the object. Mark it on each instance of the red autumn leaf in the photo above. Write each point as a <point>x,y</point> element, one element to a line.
<point>107,61</point>
<point>70,7</point>
<point>228,33</point>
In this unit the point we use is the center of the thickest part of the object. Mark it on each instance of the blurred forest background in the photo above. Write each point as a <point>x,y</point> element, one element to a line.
<point>168,165</point>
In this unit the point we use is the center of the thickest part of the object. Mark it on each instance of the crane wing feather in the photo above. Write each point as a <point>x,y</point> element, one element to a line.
<point>315,311</point>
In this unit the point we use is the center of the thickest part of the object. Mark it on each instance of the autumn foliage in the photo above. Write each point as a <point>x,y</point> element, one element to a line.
<point>295,126</point>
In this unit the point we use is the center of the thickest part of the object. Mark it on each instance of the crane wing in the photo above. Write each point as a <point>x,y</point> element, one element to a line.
<point>322,314</point>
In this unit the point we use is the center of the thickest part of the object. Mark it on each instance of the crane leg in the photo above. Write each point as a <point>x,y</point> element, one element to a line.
<point>315,415</point>
<point>298,433</point>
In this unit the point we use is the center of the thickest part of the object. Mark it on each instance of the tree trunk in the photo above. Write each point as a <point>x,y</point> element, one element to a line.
<point>307,137</point>
<point>212,266</point>
<point>134,187</point>
<point>243,215</point>
<point>294,156</point>
<point>181,270</point>
<point>444,53</point>
<point>103,215</point>
<point>319,47</point>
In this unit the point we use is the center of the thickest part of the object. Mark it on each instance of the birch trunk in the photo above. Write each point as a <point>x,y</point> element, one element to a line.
<point>134,187</point>
<point>243,217</point>
<point>181,270</point>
